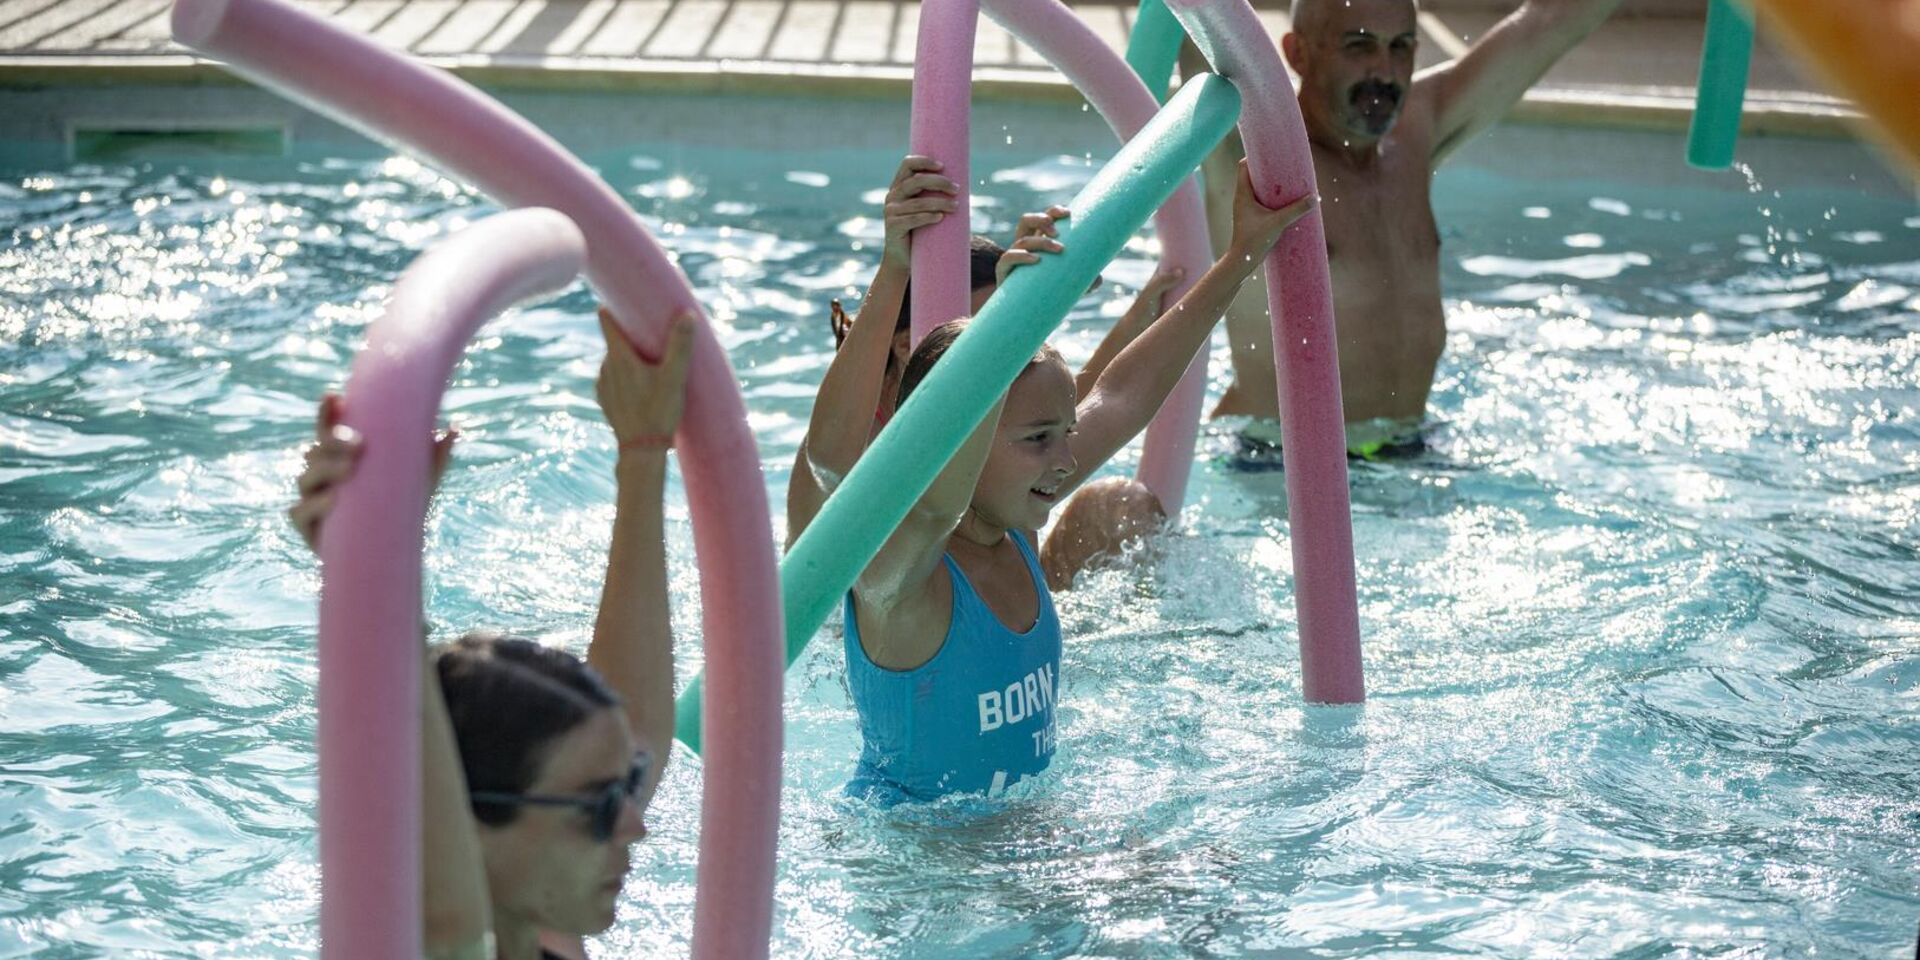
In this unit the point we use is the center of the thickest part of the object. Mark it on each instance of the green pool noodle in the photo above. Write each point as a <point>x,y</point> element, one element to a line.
<point>1723,86</point>
<point>1153,48</point>
<point>929,428</point>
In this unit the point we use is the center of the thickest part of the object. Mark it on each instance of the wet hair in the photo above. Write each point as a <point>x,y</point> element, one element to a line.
<point>983,258</point>
<point>935,346</point>
<point>509,698</point>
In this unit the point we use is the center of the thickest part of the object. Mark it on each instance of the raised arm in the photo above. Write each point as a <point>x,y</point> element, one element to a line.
<point>1130,390</point>
<point>1038,233</point>
<point>632,636</point>
<point>1142,312</point>
<point>842,419</point>
<point>891,584</point>
<point>1473,92</point>
<point>455,917</point>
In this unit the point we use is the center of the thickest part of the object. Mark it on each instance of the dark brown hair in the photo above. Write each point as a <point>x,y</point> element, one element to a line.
<point>983,260</point>
<point>509,698</point>
<point>935,346</point>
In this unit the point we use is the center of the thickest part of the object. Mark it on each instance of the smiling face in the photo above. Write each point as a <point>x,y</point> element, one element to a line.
<point>1355,60</point>
<point>544,868</point>
<point>1031,455</point>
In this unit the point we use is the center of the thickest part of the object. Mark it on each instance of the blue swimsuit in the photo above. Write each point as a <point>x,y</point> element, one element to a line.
<point>974,719</point>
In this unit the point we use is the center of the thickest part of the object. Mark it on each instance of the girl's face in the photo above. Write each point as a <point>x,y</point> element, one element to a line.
<point>1031,455</point>
<point>545,866</point>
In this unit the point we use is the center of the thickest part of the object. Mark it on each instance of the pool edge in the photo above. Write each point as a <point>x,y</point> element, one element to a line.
<point>1768,113</point>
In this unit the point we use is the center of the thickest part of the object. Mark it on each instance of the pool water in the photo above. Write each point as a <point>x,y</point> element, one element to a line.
<point>1641,629</point>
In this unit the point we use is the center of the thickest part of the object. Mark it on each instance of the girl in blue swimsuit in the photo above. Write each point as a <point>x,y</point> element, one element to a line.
<point>953,648</point>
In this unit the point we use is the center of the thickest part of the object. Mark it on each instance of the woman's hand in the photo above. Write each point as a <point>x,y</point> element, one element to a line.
<point>919,197</point>
<point>1034,235</point>
<point>1256,226</point>
<point>331,461</point>
<point>642,401</point>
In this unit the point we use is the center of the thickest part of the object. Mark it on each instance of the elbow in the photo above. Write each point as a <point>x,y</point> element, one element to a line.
<point>825,477</point>
<point>454,933</point>
<point>934,512</point>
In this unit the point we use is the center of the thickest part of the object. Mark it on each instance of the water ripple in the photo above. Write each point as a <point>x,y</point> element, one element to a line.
<point>1639,628</point>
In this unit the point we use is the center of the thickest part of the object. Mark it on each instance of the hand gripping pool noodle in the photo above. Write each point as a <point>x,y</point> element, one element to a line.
<point>1153,48</point>
<point>956,395</point>
<point>1305,351</point>
<point>942,111</point>
<point>370,603</point>
<point>1057,34</point>
<point>1868,49</point>
<point>475,138</point>
<point>1723,86</point>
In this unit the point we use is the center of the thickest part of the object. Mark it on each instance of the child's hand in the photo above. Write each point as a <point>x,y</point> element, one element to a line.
<point>641,400</point>
<point>919,197</point>
<point>1256,226</point>
<point>1034,235</point>
<point>332,460</point>
<point>1152,301</point>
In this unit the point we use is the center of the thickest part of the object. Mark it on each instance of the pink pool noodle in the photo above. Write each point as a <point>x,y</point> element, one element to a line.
<point>1312,424</point>
<point>370,603</point>
<point>1064,40</point>
<point>474,138</point>
<point>942,110</point>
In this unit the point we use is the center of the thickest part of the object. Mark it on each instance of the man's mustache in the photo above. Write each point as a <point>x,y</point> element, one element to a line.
<point>1389,92</point>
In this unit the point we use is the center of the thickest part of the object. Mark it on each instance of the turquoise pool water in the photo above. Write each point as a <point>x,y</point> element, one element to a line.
<point>1641,630</point>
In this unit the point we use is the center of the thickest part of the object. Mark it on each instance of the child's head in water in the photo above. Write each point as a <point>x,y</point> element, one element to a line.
<point>554,773</point>
<point>1031,454</point>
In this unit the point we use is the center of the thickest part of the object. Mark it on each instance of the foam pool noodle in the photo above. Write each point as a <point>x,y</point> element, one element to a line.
<point>1724,58</point>
<point>939,128</point>
<point>1306,351</point>
<point>1118,93</point>
<point>473,137</point>
<point>1153,46</point>
<point>370,586</point>
<point>1868,50</point>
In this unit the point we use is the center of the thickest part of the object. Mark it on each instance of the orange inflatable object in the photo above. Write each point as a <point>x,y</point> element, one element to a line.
<point>1869,50</point>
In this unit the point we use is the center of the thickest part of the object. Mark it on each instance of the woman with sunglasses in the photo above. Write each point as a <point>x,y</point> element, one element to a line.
<point>537,766</point>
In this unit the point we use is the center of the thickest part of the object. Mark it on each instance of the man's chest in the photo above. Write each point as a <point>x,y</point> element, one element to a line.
<point>1379,217</point>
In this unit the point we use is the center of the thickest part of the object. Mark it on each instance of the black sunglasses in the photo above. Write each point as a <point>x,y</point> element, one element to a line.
<point>603,808</point>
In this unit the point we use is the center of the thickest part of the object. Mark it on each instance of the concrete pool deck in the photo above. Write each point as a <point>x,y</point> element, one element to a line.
<point>1638,71</point>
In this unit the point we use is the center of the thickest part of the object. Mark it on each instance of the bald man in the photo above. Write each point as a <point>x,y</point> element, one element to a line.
<point>1378,133</point>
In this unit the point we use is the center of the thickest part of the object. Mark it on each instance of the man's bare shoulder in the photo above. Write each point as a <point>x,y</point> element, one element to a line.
<point>1413,128</point>
<point>1423,100</point>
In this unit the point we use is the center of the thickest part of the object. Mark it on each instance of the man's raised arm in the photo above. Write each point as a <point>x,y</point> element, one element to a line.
<point>1473,92</point>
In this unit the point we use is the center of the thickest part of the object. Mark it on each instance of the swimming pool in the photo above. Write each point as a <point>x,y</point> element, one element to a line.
<point>1641,630</point>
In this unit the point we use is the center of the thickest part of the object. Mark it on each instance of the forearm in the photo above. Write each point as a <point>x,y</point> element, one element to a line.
<point>455,921</point>
<point>1559,18</point>
<point>1130,390</point>
<point>1481,86</point>
<point>805,495</point>
<point>952,491</point>
<point>1124,332</point>
<point>632,636</point>
<point>850,392</point>
<point>914,548</point>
